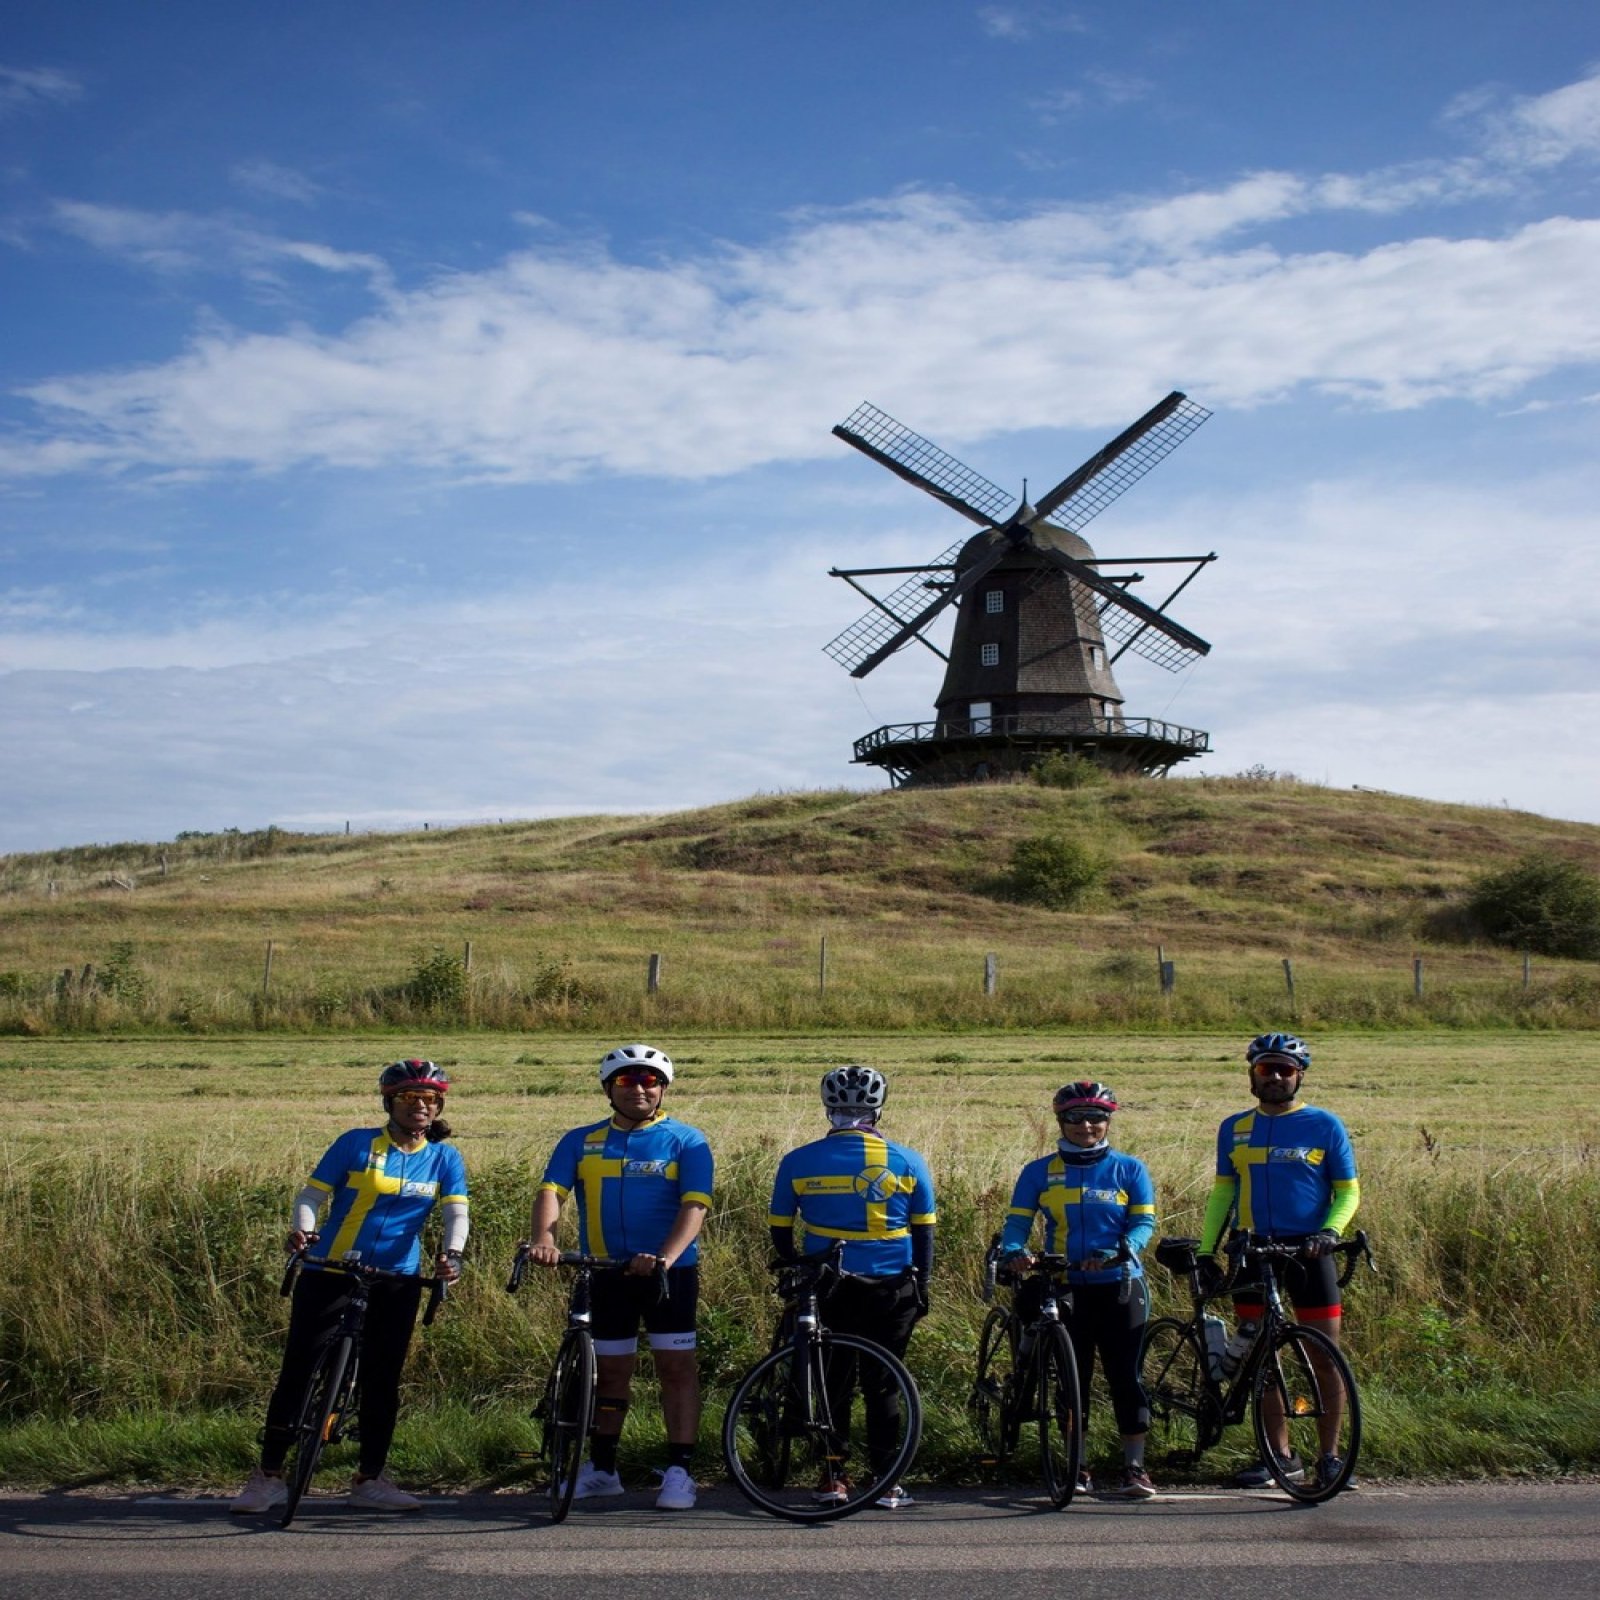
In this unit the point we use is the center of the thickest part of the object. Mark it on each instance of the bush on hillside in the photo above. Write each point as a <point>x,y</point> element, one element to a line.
<point>1054,870</point>
<point>1540,903</point>
<point>1067,770</point>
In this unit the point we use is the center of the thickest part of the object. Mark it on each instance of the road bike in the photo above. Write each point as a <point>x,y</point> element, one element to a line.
<point>1028,1373</point>
<point>565,1411</point>
<point>791,1429</point>
<point>1292,1379</point>
<point>331,1398</point>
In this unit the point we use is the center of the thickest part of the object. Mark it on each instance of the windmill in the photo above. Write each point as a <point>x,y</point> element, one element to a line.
<point>1040,619</point>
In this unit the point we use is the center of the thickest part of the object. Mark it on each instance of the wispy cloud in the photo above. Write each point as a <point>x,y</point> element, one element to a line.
<point>1534,130</point>
<point>34,88</point>
<point>1019,23</point>
<point>275,181</point>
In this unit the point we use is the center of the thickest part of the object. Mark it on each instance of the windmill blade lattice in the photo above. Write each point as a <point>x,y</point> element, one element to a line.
<point>922,462</point>
<point>1121,627</point>
<point>1101,484</point>
<point>898,608</point>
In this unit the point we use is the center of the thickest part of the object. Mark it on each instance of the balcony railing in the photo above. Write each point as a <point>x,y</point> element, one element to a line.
<point>1193,741</point>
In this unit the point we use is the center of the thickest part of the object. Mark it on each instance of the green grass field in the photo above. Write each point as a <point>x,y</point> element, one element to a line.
<point>149,1180</point>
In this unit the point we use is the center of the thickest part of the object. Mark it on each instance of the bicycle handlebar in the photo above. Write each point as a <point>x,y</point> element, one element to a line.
<point>437,1287</point>
<point>575,1258</point>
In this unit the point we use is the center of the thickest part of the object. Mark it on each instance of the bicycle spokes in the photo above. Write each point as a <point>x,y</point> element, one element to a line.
<point>1307,1414</point>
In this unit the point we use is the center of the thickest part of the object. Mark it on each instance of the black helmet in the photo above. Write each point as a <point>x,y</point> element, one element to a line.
<point>406,1074</point>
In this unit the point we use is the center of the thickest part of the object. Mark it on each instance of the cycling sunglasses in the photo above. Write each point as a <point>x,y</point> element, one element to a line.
<point>638,1080</point>
<point>1276,1069</point>
<point>418,1097</point>
<point>1075,1117</point>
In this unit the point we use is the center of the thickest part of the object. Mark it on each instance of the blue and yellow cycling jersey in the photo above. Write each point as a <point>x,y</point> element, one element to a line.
<point>382,1195</point>
<point>1090,1201</point>
<point>1283,1176</point>
<point>630,1183</point>
<point>857,1186</point>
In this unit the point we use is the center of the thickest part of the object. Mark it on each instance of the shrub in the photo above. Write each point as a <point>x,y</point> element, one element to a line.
<point>1540,903</point>
<point>439,983</point>
<point>1063,769</point>
<point>1054,870</point>
<point>121,977</point>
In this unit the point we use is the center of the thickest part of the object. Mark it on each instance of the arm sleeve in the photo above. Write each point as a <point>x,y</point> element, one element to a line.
<point>1342,1207</point>
<point>1141,1210</point>
<point>783,1243</point>
<point>306,1208</point>
<point>922,1251</point>
<point>1019,1214</point>
<point>1219,1207</point>
<point>454,1233</point>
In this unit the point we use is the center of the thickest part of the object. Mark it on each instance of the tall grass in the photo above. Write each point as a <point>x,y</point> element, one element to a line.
<point>141,1332</point>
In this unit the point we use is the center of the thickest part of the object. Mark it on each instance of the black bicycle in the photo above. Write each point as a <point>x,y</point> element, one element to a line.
<point>1028,1373</point>
<point>1294,1380</point>
<point>332,1393</point>
<point>565,1411</point>
<point>790,1435</point>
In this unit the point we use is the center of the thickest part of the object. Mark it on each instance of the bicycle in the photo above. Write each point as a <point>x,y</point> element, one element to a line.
<point>332,1392</point>
<point>1028,1372</point>
<point>566,1408</point>
<point>786,1435</point>
<point>1290,1376</point>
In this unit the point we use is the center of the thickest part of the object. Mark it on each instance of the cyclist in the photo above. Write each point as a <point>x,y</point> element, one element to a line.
<point>1287,1172</point>
<point>877,1196</point>
<point>643,1186</point>
<point>1099,1211</point>
<point>380,1185</point>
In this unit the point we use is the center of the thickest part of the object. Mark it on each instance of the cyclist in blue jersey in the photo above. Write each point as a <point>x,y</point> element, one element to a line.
<point>877,1196</point>
<point>380,1185</point>
<point>1285,1171</point>
<point>1099,1211</point>
<point>643,1186</point>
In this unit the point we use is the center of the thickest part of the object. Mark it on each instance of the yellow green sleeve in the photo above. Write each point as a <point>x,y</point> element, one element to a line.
<point>1219,1207</point>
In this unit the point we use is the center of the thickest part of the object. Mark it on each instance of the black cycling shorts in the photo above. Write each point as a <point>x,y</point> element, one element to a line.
<point>1311,1285</point>
<point>621,1302</point>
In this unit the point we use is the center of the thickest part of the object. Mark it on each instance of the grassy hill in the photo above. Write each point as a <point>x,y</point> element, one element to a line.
<point>911,891</point>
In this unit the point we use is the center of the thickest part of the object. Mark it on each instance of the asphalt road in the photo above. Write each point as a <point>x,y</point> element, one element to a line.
<point>1498,1543</point>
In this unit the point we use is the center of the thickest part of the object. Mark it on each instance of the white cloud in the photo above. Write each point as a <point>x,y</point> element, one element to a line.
<point>275,181</point>
<point>1536,130</point>
<point>29,88</point>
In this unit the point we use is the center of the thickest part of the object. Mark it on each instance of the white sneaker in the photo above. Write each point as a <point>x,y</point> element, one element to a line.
<point>893,1499</point>
<point>677,1491</point>
<point>379,1494</point>
<point>593,1484</point>
<point>261,1493</point>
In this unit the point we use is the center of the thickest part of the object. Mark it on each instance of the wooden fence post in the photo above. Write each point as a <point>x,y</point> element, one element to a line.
<point>1288,979</point>
<point>991,973</point>
<point>266,971</point>
<point>822,966</point>
<point>1527,968</point>
<point>1416,976</point>
<point>652,980</point>
<point>466,956</point>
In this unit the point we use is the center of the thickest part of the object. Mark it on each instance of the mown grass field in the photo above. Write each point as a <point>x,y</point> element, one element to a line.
<point>148,1179</point>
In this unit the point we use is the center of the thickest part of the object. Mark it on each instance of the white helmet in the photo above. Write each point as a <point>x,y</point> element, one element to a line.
<point>854,1088</point>
<point>634,1055</point>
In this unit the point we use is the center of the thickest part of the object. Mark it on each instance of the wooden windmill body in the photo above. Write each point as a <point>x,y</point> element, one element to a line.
<point>1039,620</point>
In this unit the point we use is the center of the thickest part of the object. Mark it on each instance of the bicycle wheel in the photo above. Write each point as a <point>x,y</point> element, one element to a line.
<point>320,1410</point>
<point>990,1402</point>
<point>1060,1416</point>
<point>788,1444</point>
<point>568,1410</point>
<point>1184,1417</point>
<point>1304,1384</point>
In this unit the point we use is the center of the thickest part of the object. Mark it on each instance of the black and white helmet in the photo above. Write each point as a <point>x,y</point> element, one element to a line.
<point>634,1055</point>
<point>854,1088</point>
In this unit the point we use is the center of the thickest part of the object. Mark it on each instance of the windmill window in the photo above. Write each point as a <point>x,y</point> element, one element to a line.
<point>1097,656</point>
<point>980,714</point>
<point>990,655</point>
<point>994,600</point>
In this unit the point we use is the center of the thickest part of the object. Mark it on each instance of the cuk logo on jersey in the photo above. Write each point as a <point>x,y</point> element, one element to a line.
<point>875,1183</point>
<point>645,1169</point>
<point>416,1189</point>
<point>1301,1153</point>
<point>1105,1197</point>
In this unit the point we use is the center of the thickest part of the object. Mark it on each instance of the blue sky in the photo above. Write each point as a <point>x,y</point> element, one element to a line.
<point>421,412</point>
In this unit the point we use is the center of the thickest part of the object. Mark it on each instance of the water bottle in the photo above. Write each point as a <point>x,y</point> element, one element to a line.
<point>1216,1346</point>
<point>1237,1346</point>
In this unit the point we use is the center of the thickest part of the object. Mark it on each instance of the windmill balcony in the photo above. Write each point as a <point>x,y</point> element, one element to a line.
<point>962,749</point>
